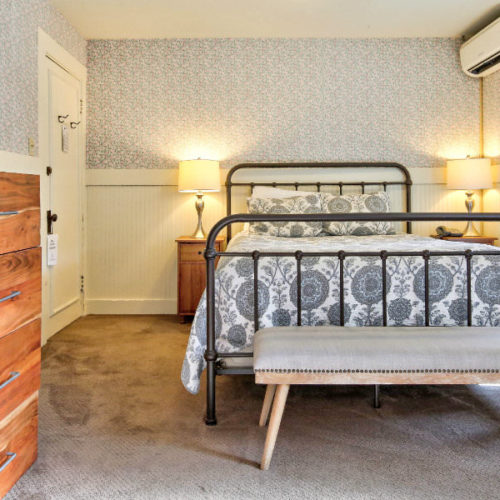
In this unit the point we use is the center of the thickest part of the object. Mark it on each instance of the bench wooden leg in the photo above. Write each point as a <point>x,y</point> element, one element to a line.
<point>268,401</point>
<point>376,396</point>
<point>274,424</point>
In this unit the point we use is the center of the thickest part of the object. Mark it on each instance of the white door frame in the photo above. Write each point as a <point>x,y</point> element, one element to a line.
<point>50,49</point>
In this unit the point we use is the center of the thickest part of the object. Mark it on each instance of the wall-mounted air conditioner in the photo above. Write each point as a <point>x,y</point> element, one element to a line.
<point>480,55</point>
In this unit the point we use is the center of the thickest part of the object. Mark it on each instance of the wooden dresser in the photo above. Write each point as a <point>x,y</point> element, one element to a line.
<point>20,308</point>
<point>192,272</point>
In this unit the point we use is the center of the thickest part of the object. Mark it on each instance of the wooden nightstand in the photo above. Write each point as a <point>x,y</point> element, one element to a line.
<point>486,240</point>
<point>191,272</point>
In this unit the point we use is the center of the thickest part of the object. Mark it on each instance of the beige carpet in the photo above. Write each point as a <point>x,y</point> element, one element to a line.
<point>116,423</point>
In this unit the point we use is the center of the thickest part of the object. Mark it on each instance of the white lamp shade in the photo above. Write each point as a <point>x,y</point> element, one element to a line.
<point>469,174</point>
<point>199,175</point>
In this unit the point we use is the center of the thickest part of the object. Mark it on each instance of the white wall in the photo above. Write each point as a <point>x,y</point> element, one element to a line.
<point>134,217</point>
<point>152,103</point>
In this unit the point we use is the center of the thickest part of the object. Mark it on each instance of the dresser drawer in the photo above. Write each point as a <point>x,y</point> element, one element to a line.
<point>19,231</point>
<point>19,192</point>
<point>18,443</point>
<point>20,288</point>
<point>19,366</point>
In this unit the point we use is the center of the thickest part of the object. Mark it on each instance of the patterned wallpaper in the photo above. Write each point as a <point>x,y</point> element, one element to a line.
<point>154,102</point>
<point>20,20</point>
<point>492,116</point>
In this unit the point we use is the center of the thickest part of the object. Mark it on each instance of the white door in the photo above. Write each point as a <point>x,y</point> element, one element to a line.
<point>64,295</point>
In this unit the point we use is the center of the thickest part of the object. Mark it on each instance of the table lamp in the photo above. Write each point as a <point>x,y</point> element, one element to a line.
<point>199,176</point>
<point>469,174</point>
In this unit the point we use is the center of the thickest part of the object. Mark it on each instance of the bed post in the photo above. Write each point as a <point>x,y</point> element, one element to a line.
<point>210,352</point>
<point>408,184</point>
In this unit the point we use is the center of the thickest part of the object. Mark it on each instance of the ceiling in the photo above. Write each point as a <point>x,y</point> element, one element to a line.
<point>277,18</point>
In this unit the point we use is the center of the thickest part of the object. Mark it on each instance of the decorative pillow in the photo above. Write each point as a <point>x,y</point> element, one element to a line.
<point>364,203</point>
<point>310,204</point>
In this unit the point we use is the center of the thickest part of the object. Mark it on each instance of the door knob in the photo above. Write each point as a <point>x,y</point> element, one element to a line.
<point>51,218</point>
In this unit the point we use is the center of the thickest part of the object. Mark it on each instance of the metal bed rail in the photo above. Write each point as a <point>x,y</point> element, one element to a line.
<point>212,357</point>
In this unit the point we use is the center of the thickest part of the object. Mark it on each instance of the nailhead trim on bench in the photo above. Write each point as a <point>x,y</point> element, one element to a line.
<point>438,370</point>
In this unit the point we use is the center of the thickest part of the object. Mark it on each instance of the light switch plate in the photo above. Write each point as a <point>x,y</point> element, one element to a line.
<point>31,146</point>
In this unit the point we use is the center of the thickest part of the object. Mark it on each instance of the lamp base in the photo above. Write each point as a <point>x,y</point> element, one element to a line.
<point>470,230</point>
<point>200,205</point>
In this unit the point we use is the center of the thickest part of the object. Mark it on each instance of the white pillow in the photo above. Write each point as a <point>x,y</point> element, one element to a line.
<point>272,192</point>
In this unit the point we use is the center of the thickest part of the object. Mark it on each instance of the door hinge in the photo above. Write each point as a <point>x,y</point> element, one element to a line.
<point>82,284</point>
<point>81,106</point>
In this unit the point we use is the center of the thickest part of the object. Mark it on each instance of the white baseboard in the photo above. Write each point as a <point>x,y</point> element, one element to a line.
<point>131,306</point>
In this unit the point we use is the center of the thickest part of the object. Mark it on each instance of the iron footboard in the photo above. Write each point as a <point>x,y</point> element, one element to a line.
<point>212,357</point>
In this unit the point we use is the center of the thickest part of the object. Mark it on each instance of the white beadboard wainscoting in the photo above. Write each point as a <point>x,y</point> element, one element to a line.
<point>135,215</point>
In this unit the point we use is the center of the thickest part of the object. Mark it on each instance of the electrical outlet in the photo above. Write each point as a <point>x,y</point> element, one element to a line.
<point>31,146</point>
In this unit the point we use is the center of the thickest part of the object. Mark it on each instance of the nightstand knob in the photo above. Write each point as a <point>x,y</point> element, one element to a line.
<point>199,253</point>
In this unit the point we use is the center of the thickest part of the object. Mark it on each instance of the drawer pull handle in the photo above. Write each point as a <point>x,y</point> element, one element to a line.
<point>10,296</point>
<point>13,376</point>
<point>8,461</point>
<point>11,212</point>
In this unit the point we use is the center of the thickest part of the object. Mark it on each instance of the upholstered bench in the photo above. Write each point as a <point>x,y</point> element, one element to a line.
<point>368,355</point>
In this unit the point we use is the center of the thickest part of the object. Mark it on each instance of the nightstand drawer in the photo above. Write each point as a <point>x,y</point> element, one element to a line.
<point>18,443</point>
<point>192,252</point>
<point>19,366</point>
<point>20,288</point>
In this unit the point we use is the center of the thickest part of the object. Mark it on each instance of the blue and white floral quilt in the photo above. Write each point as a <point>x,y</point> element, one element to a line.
<point>320,289</point>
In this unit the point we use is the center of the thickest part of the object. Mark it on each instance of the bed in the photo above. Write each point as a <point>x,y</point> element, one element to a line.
<point>398,279</point>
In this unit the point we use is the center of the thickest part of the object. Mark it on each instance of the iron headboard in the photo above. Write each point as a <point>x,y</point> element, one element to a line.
<point>406,182</point>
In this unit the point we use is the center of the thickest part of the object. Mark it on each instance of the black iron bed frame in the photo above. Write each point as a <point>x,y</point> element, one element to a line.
<point>215,359</point>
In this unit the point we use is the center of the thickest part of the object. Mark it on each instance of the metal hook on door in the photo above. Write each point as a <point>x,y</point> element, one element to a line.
<point>74,124</point>
<point>62,118</point>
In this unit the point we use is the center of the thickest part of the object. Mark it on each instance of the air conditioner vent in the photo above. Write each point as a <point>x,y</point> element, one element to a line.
<point>488,63</point>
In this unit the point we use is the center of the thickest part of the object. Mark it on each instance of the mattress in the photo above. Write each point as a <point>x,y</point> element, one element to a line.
<point>277,290</point>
